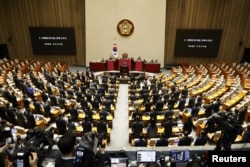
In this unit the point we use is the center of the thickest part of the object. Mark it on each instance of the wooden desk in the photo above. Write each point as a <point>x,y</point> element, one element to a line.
<point>111,65</point>
<point>128,62</point>
<point>215,95</point>
<point>235,100</point>
<point>139,66</point>
<point>247,116</point>
<point>199,128</point>
<point>97,66</point>
<point>152,67</point>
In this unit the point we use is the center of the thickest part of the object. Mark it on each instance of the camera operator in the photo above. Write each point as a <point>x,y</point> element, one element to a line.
<point>67,145</point>
<point>6,162</point>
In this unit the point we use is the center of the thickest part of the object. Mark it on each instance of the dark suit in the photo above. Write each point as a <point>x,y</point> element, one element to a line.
<point>200,141</point>
<point>38,108</point>
<point>181,105</point>
<point>140,143</point>
<point>168,127</point>
<point>61,125</point>
<point>11,115</point>
<point>74,114</point>
<point>137,128</point>
<point>101,127</point>
<point>161,142</point>
<point>185,141</point>
<point>31,123</point>
<point>87,126</point>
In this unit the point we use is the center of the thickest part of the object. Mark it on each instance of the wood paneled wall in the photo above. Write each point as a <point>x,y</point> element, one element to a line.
<point>17,16</point>
<point>232,16</point>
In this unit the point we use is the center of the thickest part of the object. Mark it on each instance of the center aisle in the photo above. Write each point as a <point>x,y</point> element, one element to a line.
<point>119,134</point>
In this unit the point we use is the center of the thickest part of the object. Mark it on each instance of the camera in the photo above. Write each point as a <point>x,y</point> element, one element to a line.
<point>36,141</point>
<point>79,157</point>
<point>86,152</point>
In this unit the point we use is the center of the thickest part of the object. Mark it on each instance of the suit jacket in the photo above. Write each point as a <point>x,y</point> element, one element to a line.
<point>140,143</point>
<point>185,141</point>
<point>61,125</point>
<point>101,127</point>
<point>161,142</point>
<point>137,128</point>
<point>31,123</point>
<point>74,114</point>
<point>87,126</point>
<point>200,141</point>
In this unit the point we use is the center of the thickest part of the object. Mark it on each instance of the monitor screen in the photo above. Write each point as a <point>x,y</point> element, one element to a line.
<point>118,162</point>
<point>53,40</point>
<point>146,156</point>
<point>197,42</point>
<point>180,155</point>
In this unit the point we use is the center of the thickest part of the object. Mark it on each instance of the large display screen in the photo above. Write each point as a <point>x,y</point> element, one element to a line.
<point>53,40</point>
<point>197,42</point>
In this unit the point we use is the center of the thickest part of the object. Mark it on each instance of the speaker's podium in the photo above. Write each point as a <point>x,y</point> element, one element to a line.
<point>124,69</point>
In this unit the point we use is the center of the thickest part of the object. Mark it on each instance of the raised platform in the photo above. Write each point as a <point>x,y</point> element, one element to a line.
<point>125,78</point>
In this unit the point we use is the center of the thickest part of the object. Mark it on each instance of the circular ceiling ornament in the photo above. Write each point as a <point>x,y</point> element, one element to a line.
<point>125,27</point>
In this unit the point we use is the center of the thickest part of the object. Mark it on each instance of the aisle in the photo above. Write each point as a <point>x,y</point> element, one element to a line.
<point>119,133</point>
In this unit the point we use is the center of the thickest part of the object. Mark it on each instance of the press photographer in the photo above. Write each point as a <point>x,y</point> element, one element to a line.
<point>38,141</point>
<point>84,154</point>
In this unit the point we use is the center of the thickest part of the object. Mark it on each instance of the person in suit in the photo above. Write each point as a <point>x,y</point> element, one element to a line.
<point>216,105</point>
<point>195,111</point>
<point>169,112</point>
<point>30,91</point>
<point>71,125</point>
<point>136,113</point>
<point>168,125</point>
<point>31,122</point>
<point>21,120</point>
<point>185,140</point>
<point>14,100</point>
<point>162,141</point>
<point>101,127</point>
<point>104,113</point>
<point>191,102</point>
<point>199,99</point>
<point>201,140</point>
<point>152,129</point>
<point>141,142</point>
<point>159,104</point>
<point>95,104</point>
<point>147,106</point>
<point>73,113</point>
<point>137,127</point>
<point>242,113</point>
<point>188,125</point>
<point>61,125</point>
<point>182,103</point>
<point>46,108</point>
<point>11,114</point>
<point>38,108</point>
<point>184,92</point>
<point>209,109</point>
<point>86,125</point>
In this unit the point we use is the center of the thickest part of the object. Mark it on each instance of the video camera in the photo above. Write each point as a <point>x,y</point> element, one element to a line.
<point>36,141</point>
<point>6,135</point>
<point>86,152</point>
